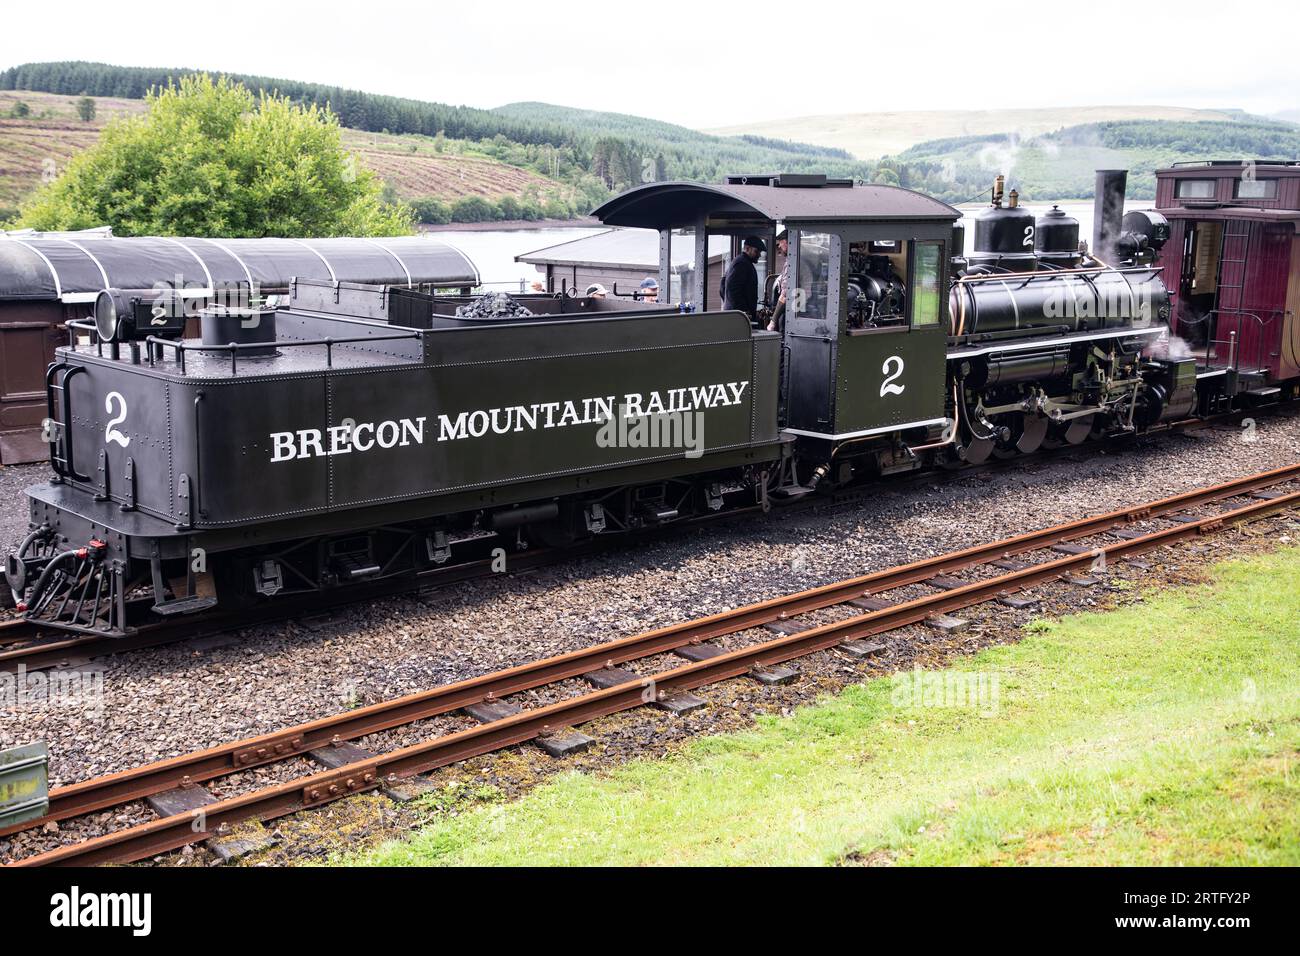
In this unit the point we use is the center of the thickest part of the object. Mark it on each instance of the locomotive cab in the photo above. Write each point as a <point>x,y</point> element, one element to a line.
<point>863,332</point>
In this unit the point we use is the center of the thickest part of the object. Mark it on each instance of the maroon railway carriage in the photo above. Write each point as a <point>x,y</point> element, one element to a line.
<point>1233,263</point>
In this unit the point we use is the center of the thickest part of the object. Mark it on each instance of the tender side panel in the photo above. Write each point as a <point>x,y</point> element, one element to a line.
<point>496,407</point>
<point>235,425</point>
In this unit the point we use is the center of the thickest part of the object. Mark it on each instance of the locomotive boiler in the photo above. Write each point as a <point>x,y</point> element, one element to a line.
<point>363,434</point>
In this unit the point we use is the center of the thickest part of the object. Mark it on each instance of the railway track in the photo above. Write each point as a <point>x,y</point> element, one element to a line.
<point>28,645</point>
<point>1059,550</point>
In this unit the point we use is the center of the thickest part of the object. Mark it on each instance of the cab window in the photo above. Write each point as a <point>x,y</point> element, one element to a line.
<point>812,295</point>
<point>926,290</point>
<point>876,286</point>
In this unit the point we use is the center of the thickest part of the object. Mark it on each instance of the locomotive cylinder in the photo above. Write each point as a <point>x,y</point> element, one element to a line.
<point>1013,368</point>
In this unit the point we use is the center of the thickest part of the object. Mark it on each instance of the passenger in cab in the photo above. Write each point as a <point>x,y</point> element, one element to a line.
<point>596,291</point>
<point>777,321</point>
<point>740,285</point>
<point>649,291</point>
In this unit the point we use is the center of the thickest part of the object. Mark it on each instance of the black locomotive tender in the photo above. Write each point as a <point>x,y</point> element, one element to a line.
<point>363,433</point>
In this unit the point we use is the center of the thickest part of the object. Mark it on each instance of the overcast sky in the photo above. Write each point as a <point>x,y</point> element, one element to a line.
<point>706,64</point>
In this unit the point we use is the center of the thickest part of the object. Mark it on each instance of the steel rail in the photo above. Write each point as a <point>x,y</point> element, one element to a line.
<point>15,630</point>
<point>176,831</point>
<point>149,779</point>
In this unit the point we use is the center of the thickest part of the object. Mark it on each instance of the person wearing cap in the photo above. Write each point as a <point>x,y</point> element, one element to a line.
<point>740,284</point>
<point>649,289</point>
<point>596,291</point>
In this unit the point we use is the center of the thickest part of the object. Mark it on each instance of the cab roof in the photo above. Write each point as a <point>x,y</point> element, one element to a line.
<point>775,198</point>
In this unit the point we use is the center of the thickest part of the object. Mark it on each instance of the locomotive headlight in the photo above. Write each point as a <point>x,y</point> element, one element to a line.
<point>110,306</point>
<point>124,316</point>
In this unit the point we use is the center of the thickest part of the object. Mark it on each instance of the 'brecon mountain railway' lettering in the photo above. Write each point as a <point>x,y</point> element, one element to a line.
<point>595,410</point>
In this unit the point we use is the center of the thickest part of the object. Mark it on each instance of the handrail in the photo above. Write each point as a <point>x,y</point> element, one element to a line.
<point>182,346</point>
<point>1027,277</point>
<point>63,467</point>
<point>1231,341</point>
<point>155,346</point>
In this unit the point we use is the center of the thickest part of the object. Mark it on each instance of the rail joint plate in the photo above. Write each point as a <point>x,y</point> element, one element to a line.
<point>268,750</point>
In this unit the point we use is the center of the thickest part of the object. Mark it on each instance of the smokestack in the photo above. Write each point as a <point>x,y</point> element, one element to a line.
<point>1108,213</point>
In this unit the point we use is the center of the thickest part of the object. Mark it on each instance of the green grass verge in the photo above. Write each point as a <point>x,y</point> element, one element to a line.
<point>1164,733</point>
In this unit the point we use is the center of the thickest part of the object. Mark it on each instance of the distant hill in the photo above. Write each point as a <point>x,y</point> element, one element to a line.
<point>742,153</point>
<point>1062,164</point>
<point>872,135</point>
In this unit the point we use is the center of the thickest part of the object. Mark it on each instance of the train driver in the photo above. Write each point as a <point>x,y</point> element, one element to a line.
<point>740,285</point>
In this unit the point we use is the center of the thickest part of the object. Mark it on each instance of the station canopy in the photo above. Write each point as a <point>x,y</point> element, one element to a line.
<point>633,249</point>
<point>680,204</point>
<point>76,266</point>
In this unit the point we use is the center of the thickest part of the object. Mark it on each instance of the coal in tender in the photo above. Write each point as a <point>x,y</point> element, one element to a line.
<point>492,305</point>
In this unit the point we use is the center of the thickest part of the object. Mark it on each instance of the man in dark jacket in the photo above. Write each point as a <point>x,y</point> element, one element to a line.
<point>740,286</point>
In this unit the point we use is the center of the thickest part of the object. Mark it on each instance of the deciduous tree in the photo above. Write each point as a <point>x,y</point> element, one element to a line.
<point>212,159</point>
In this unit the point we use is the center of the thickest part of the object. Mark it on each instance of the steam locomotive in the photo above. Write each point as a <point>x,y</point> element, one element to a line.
<point>355,434</point>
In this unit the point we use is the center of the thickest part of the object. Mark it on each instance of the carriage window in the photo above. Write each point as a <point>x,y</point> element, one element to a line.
<point>1256,188</point>
<point>925,284</point>
<point>814,259</point>
<point>1194,189</point>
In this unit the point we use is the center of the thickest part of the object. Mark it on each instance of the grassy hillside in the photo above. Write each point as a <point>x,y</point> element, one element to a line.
<point>872,135</point>
<point>43,142</point>
<point>1165,733</point>
<point>414,167</point>
<point>534,160</point>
